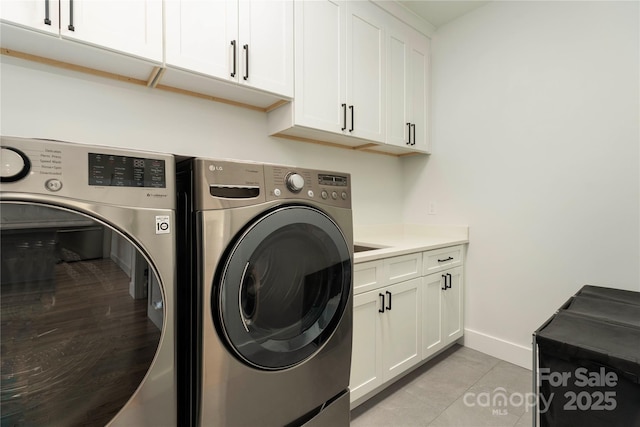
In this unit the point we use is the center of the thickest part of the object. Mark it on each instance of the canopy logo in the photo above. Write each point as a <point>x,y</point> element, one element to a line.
<point>595,393</point>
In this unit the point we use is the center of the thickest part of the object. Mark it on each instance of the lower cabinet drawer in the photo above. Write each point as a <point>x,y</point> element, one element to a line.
<point>367,276</point>
<point>440,259</point>
<point>400,268</point>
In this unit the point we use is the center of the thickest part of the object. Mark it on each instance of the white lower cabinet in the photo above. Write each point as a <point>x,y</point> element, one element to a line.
<point>366,356</point>
<point>403,316</point>
<point>442,310</point>
<point>386,335</point>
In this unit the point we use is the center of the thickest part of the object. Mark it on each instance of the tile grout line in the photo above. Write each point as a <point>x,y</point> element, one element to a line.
<point>464,392</point>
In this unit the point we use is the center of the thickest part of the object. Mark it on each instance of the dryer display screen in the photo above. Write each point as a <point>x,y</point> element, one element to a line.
<point>339,180</point>
<point>123,171</point>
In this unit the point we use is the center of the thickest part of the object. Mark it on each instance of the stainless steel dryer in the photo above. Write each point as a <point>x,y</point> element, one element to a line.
<point>268,253</point>
<point>87,285</point>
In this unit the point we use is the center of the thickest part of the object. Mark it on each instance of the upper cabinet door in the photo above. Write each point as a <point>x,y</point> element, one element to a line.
<point>202,36</point>
<point>408,87</point>
<point>37,15</point>
<point>366,70</point>
<point>133,27</point>
<point>398,125</point>
<point>320,87</point>
<point>266,45</point>
<point>418,94</point>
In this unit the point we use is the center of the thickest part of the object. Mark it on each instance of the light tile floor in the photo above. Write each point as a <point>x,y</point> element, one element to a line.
<point>460,387</point>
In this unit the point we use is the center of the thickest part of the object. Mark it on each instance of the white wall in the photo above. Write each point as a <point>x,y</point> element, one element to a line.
<point>536,148</point>
<point>46,102</point>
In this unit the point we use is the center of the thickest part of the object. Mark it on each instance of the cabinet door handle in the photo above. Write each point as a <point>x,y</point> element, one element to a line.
<point>71,27</point>
<point>449,275</point>
<point>445,282</point>
<point>413,126</point>
<point>446,259</point>
<point>47,21</point>
<point>409,133</point>
<point>246,62</point>
<point>351,108</point>
<point>344,116</point>
<point>233,48</point>
<point>389,305</point>
<point>381,310</point>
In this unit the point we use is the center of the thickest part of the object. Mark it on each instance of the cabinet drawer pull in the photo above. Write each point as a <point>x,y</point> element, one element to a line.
<point>444,288</point>
<point>71,27</point>
<point>389,305</point>
<point>344,116</point>
<point>408,133</point>
<point>351,108</point>
<point>446,259</point>
<point>233,48</point>
<point>413,126</point>
<point>449,275</point>
<point>381,310</point>
<point>47,21</point>
<point>246,63</point>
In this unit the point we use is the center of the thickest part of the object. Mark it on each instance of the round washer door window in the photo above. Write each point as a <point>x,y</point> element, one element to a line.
<point>78,330</point>
<point>283,287</point>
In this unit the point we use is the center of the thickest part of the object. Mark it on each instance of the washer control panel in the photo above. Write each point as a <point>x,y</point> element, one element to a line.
<point>284,182</point>
<point>87,172</point>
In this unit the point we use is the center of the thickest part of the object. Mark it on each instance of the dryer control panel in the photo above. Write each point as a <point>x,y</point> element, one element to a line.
<point>228,184</point>
<point>331,188</point>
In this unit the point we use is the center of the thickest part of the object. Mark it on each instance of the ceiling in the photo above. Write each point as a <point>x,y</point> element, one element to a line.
<point>440,12</point>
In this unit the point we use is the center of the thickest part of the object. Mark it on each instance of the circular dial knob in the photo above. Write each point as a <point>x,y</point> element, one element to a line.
<point>295,182</point>
<point>14,164</point>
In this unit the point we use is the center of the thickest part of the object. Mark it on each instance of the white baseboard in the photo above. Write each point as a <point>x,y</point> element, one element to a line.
<point>496,347</point>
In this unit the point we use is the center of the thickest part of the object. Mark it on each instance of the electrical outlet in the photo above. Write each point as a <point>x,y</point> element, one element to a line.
<point>431,209</point>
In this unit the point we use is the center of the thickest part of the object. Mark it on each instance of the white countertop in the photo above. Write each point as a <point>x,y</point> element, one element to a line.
<point>401,239</point>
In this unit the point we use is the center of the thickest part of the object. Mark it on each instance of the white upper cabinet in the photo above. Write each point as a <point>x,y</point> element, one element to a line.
<point>37,15</point>
<point>320,58</point>
<point>117,37</point>
<point>248,42</point>
<point>133,26</point>
<point>266,45</point>
<point>407,88</point>
<point>361,79</point>
<point>365,71</point>
<point>199,36</point>
<point>339,73</point>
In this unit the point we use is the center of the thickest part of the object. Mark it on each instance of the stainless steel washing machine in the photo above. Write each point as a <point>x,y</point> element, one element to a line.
<point>268,255</point>
<point>87,285</point>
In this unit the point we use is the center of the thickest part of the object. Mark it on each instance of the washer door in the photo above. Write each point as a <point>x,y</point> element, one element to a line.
<point>284,287</point>
<point>80,328</point>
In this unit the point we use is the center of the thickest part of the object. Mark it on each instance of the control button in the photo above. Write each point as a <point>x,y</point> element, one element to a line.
<point>310,193</point>
<point>344,195</point>
<point>53,184</point>
<point>324,194</point>
<point>334,195</point>
<point>295,182</point>
<point>277,192</point>
<point>14,165</point>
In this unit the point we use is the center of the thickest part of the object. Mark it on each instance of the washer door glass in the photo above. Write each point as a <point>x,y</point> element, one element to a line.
<point>283,287</point>
<point>81,317</point>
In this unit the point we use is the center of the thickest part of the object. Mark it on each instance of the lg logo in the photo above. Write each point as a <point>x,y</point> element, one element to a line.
<point>214,168</point>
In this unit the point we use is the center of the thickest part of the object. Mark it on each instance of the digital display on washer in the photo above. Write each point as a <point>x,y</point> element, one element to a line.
<point>338,180</point>
<point>123,171</point>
